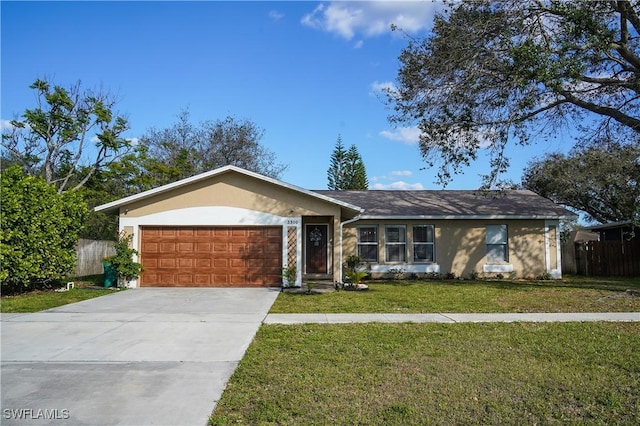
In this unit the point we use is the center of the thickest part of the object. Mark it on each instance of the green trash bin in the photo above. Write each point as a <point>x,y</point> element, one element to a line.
<point>110,278</point>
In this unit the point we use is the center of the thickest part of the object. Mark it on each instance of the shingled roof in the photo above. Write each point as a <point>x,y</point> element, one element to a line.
<point>445,204</point>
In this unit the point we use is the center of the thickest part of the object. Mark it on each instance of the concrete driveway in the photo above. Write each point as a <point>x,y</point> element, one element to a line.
<point>138,357</point>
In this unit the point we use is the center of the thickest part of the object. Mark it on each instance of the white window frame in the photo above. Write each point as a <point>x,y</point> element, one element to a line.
<point>431,243</point>
<point>388,244</point>
<point>497,237</point>
<point>368,243</point>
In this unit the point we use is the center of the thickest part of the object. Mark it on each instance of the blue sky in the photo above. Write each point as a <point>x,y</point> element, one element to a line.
<point>305,72</point>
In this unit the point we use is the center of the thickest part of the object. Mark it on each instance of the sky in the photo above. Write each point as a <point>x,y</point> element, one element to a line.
<point>305,72</point>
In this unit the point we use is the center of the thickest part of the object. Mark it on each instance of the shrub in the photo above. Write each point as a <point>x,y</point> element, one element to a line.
<point>122,262</point>
<point>38,231</point>
<point>290,274</point>
<point>396,274</point>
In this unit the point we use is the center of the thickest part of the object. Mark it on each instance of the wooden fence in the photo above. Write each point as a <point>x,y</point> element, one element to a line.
<point>91,254</point>
<point>602,258</point>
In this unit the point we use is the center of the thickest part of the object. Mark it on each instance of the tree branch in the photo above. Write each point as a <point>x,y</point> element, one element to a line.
<point>617,115</point>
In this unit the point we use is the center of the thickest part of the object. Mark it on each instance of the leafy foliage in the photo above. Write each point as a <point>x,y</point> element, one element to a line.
<point>336,166</point>
<point>53,140</point>
<point>498,71</point>
<point>122,262</point>
<point>185,149</point>
<point>346,169</point>
<point>602,180</point>
<point>39,231</point>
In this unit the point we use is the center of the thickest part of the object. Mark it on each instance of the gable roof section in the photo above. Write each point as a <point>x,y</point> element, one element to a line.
<point>114,205</point>
<point>455,204</point>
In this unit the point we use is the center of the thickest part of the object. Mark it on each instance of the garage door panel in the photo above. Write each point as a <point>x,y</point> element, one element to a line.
<point>170,263</point>
<point>221,280</point>
<point>204,263</point>
<point>185,232</point>
<point>185,247</point>
<point>220,263</point>
<point>186,263</point>
<point>168,232</point>
<point>167,247</point>
<point>149,247</point>
<point>211,256</point>
<point>185,279</point>
<point>202,279</point>
<point>204,247</point>
<point>237,263</point>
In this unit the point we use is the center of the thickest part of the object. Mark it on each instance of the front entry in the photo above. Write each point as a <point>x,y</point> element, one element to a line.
<point>316,248</point>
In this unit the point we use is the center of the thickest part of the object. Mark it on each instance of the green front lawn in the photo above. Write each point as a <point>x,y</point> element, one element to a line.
<point>36,301</point>
<point>574,294</point>
<point>415,374</point>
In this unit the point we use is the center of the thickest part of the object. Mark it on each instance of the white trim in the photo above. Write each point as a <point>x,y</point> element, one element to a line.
<point>416,268</point>
<point>219,171</point>
<point>339,278</point>
<point>464,217</point>
<point>557,272</point>
<point>498,268</point>
<point>206,216</point>
<point>290,223</point>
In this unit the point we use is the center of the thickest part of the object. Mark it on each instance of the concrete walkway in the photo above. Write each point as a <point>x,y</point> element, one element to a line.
<point>449,318</point>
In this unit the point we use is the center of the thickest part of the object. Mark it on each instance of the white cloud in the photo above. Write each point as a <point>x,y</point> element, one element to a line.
<point>383,87</point>
<point>370,18</point>
<point>133,141</point>
<point>6,125</point>
<point>358,44</point>
<point>390,181</point>
<point>275,15</point>
<point>408,135</point>
<point>399,185</point>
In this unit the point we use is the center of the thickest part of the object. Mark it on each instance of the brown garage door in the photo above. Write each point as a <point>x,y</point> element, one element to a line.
<point>211,256</point>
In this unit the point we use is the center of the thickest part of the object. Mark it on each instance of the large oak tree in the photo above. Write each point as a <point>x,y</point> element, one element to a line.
<point>497,72</point>
<point>602,180</point>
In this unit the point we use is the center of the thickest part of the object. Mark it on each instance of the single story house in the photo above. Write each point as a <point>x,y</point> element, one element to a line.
<point>233,227</point>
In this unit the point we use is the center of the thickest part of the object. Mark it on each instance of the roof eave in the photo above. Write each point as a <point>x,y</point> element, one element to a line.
<point>466,217</point>
<point>115,205</point>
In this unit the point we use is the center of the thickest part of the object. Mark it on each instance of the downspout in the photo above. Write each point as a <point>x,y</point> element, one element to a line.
<point>346,222</point>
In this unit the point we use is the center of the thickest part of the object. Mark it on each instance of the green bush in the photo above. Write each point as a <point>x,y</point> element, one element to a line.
<point>124,265</point>
<point>38,231</point>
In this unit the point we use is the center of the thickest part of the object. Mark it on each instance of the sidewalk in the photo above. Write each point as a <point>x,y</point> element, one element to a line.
<point>450,318</point>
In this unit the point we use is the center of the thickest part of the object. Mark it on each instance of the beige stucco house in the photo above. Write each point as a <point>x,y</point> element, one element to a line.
<point>233,227</point>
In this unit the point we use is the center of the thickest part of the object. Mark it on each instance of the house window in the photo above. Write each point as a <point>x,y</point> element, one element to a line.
<point>368,243</point>
<point>423,243</point>
<point>395,243</point>
<point>497,248</point>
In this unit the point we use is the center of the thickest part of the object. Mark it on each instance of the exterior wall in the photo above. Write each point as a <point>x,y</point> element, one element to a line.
<point>233,199</point>
<point>460,247</point>
<point>233,190</point>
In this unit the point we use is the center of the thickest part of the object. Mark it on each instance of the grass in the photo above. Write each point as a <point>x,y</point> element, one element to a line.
<point>575,294</point>
<point>40,300</point>
<point>414,374</point>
